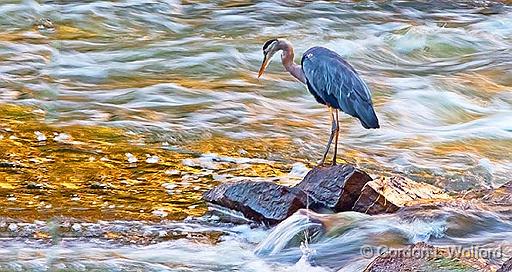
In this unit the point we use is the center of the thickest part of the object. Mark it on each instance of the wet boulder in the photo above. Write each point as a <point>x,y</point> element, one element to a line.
<point>324,189</point>
<point>388,194</point>
<point>335,188</point>
<point>261,201</point>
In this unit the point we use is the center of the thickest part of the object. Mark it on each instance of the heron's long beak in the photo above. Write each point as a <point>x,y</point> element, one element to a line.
<point>264,65</point>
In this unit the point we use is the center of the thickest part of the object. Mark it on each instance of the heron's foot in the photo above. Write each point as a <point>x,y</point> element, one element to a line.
<point>322,161</point>
<point>333,162</point>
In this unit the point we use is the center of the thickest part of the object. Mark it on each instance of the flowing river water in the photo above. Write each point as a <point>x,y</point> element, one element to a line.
<point>115,116</point>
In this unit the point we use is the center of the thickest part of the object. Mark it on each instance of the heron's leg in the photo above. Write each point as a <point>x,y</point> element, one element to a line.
<point>333,129</point>
<point>337,130</point>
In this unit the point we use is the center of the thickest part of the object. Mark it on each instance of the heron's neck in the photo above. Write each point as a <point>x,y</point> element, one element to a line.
<point>289,64</point>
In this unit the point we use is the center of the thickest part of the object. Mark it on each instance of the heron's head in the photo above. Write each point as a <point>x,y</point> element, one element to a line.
<point>269,49</point>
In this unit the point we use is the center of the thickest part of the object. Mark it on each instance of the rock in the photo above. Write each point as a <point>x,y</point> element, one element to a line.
<point>424,257</point>
<point>6,164</point>
<point>334,187</point>
<point>388,194</point>
<point>334,223</point>
<point>98,186</point>
<point>264,202</point>
<point>44,24</point>
<point>33,185</point>
<point>326,188</point>
<point>507,266</point>
<point>500,196</point>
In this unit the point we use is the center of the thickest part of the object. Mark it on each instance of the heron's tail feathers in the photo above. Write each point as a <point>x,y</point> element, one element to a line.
<point>366,114</point>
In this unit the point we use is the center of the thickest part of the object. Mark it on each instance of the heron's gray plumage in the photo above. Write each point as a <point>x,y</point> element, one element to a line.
<point>333,82</point>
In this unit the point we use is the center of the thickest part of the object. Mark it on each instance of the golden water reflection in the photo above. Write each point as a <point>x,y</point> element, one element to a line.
<point>90,173</point>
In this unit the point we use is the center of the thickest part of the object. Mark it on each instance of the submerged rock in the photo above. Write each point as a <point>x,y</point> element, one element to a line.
<point>507,266</point>
<point>388,194</point>
<point>264,202</point>
<point>334,187</point>
<point>44,24</point>
<point>500,196</point>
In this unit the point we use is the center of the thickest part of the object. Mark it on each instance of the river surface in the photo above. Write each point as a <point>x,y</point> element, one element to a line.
<point>115,116</point>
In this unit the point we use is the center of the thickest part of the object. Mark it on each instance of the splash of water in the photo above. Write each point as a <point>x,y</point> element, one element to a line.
<point>286,233</point>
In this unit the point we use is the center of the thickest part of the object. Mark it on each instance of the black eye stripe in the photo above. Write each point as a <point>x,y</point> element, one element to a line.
<point>267,44</point>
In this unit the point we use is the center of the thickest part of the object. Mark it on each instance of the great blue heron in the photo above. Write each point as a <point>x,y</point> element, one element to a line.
<point>331,80</point>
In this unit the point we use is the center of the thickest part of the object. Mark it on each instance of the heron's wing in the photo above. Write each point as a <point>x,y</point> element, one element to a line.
<point>338,84</point>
